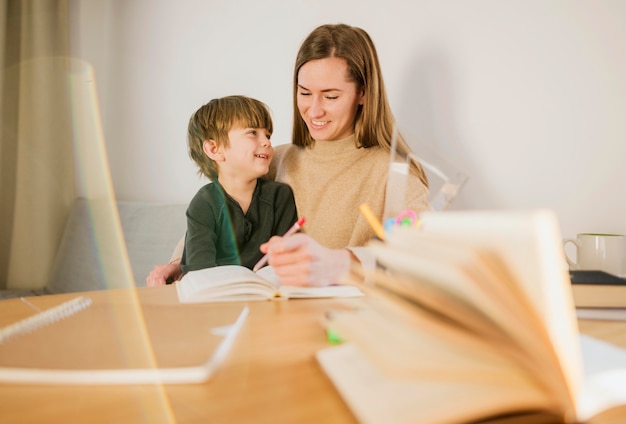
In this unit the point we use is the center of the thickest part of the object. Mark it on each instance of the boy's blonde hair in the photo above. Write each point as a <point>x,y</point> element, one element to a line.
<point>215,119</point>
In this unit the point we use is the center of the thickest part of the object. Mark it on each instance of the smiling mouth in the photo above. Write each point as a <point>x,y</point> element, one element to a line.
<point>261,156</point>
<point>319,123</point>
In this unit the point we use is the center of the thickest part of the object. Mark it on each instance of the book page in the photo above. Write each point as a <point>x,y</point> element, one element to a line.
<point>226,283</point>
<point>377,398</point>
<point>605,377</point>
<point>453,283</point>
<point>296,292</point>
<point>268,274</point>
<point>529,243</point>
<point>602,314</point>
<point>483,294</point>
<point>399,363</point>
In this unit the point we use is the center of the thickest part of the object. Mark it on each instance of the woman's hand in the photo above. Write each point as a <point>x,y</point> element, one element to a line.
<point>298,260</point>
<point>162,274</point>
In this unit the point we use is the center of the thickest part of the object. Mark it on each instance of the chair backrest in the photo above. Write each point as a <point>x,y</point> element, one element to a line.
<point>445,180</point>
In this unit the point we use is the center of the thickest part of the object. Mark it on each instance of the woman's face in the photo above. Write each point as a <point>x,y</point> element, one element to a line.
<point>327,100</point>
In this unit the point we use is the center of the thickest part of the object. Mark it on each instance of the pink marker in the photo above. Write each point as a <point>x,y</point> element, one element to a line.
<point>294,229</point>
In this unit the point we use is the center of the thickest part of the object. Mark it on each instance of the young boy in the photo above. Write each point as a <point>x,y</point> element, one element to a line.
<point>229,218</point>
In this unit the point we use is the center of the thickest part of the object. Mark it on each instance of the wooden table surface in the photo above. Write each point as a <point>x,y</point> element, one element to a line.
<point>270,376</point>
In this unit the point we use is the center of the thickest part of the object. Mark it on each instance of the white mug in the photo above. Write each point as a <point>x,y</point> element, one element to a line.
<point>604,252</point>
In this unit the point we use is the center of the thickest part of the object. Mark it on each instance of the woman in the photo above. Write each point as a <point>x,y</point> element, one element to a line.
<point>339,159</point>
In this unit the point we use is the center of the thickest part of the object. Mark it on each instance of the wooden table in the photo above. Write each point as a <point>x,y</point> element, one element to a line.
<point>270,376</point>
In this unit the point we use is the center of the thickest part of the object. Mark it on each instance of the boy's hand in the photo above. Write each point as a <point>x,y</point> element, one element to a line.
<point>163,274</point>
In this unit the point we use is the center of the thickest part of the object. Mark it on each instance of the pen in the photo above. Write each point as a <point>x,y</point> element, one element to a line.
<point>294,228</point>
<point>372,220</point>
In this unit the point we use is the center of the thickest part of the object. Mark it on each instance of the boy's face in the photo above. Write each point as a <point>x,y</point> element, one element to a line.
<point>249,154</point>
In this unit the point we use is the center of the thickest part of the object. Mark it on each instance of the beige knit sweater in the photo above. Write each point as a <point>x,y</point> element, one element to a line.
<point>331,180</point>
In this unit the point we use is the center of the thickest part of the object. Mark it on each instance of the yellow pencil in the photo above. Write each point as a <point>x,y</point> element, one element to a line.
<point>372,220</point>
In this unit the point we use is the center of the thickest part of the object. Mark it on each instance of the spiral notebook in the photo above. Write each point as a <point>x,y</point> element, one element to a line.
<point>118,341</point>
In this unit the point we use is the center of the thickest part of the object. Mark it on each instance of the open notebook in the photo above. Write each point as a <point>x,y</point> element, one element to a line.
<point>117,341</point>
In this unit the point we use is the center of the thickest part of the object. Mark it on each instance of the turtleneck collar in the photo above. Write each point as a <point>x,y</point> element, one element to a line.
<point>335,147</point>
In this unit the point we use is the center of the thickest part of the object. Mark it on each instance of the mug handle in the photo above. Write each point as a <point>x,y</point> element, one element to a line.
<point>572,264</point>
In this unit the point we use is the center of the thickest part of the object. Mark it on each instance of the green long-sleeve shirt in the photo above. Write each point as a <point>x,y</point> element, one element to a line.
<point>218,232</point>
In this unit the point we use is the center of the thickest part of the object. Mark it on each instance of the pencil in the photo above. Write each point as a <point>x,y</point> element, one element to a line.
<point>294,228</point>
<point>372,220</point>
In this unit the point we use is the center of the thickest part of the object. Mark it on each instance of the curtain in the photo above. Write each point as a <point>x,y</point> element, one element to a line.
<point>37,177</point>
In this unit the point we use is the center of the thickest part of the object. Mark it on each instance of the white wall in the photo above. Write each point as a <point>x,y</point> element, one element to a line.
<point>528,97</point>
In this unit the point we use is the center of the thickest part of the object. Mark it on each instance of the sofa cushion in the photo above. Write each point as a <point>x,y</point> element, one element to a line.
<point>152,231</point>
<point>92,256</point>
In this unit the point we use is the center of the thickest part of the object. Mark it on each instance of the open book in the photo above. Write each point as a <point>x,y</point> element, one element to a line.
<point>229,283</point>
<point>471,317</point>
